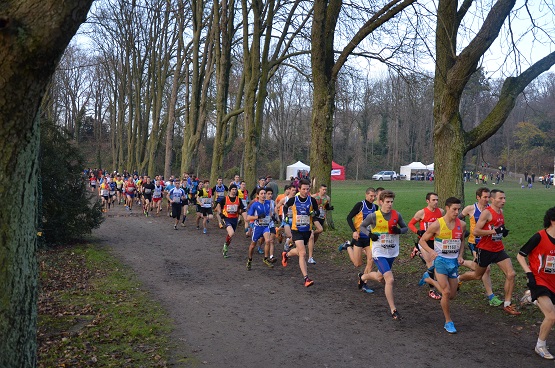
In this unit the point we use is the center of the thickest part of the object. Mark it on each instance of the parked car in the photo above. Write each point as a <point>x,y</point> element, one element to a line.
<point>385,175</point>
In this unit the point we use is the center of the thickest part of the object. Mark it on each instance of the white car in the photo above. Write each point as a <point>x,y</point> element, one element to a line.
<point>385,175</point>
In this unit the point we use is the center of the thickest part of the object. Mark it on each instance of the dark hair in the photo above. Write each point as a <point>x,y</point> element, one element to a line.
<point>304,182</point>
<point>323,186</point>
<point>481,190</point>
<point>493,192</point>
<point>269,189</point>
<point>428,195</point>
<point>287,186</point>
<point>258,190</point>
<point>232,186</point>
<point>549,216</point>
<point>451,201</point>
<point>386,194</point>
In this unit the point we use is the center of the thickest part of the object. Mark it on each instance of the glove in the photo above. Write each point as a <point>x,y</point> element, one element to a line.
<point>373,237</point>
<point>531,279</point>
<point>466,234</point>
<point>420,232</point>
<point>330,208</point>
<point>502,230</point>
<point>396,230</point>
<point>274,218</point>
<point>286,219</point>
<point>314,213</point>
<point>261,216</point>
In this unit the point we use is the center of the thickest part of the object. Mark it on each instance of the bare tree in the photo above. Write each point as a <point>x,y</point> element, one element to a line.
<point>453,72</point>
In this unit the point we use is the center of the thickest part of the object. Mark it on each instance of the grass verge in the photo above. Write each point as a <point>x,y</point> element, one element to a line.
<point>92,311</point>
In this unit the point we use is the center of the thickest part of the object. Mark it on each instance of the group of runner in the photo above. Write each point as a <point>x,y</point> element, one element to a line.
<point>299,216</point>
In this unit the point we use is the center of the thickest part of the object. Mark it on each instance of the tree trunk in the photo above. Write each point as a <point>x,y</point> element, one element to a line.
<point>27,65</point>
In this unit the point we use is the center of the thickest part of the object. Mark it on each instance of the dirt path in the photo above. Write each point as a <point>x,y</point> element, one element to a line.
<point>231,317</point>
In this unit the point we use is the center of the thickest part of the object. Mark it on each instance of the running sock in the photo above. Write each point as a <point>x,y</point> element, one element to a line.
<point>306,277</point>
<point>228,239</point>
<point>540,343</point>
<point>506,304</point>
<point>184,217</point>
<point>490,297</point>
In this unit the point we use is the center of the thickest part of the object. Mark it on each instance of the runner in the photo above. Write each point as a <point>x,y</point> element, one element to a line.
<point>386,224</point>
<point>175,197</point>
<point>230,206</point>
<point>147,190</point>
<point>204,205</point>
<point>243,195</point>
<point>540,272</point>
<point>259,212</point>
<point>424,218</point>
<point>360,243</point>
<point>157,195</point>
<point>447,255</point>
<point>119,188</point>
<point>271,204</point>
<point>105,195</point>
<point>113,191</point>
<point>130,188</point>
<point>491,228</point>
<point>170,184</point>
<point>219,191</point>
<point>279,210</point>
<point>474,211</point>
<point>287,216</point>
<point>304,208</point>
<point>323,201</point>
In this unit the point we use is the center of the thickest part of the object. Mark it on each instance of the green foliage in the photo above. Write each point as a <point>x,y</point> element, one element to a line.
<point>67,210</point>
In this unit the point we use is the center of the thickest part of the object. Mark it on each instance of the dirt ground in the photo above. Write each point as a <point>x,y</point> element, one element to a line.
<point>226,316</point>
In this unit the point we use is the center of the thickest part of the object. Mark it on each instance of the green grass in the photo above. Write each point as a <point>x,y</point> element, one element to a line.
<point>524,211</point>
<point>92,310</point>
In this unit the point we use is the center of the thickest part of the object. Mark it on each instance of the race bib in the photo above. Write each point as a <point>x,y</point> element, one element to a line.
<point>322,214</point>
<point>388,240</point>
<point>232,208</point>
<point>450,246</point>
<point>549,265</point>
<point>303,220</point>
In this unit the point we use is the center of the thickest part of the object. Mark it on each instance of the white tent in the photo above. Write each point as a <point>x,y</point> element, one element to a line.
<point>413,166</point>
<point>430,167</point>
<point>293,169</point>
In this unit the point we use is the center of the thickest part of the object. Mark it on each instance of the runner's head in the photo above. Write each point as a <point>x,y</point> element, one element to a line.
<point>452,207</point>
<point>432,200</point>
<point>549,218</point>
<point>304,188</point>
<point>269,193</point>
<point>497,197</point>
<point>370,195</point>
<point>233,190</point>
<point>261,194</point>
<point>386,200</point>
<point>482,196</point>
<point>323,190</point>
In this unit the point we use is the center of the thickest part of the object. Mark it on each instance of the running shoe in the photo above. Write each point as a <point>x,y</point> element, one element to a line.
<point>434,295</point>
<point>450,327</point>
<point>260,250</point>
<point>249,264</point>
<point>268,263</point>
<point>273,259</point>
<point>495,301</point>
<point>286,246</point>
<point>359,281</point>
<point>526,298</point>
<point>198,227</point>
<point>510,309</point>
<point>308,282</point>
<point>204,231</point>
<point>344,246</point>
<point>175,227</point>
<point>395,315</point>
<point>311,260</point>
<point>224,251</point>
<point>422,281</point>
<point>366,289</point>
<point>221,226</point>
<point>543,352</point>
<point>284,259</point>
<point>183,224</point>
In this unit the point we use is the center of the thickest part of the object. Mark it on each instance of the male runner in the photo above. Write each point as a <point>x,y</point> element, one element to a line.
<point>386,224</point>
<point>259,212</point>
<point>360,242</point>
<point>540,271</point>
<point>304,208</point>
<point>491,228</point>
<point>323,201</point>
<point>147,189</point>
<point>219,190</point>
<point>157,195</point>
<point>424,218</point>
<point>447,255</point>
<point>474,211</point>
<point>129,189</point>
<point>175,197</point>
<point>230,206</point>
<point>204,205</point>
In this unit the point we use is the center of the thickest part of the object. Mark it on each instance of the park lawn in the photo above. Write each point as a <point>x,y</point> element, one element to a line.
<point>524,211</point>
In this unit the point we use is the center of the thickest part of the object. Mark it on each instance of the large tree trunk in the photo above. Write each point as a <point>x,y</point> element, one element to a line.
<point>26,65</point>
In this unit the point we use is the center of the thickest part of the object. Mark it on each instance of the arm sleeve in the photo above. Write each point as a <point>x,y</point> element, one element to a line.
<point>530,245</point>
<point>315,207</point>
<point>290,202</point>
<point>412,224</point>
<point>370,220</point>
<point>352,214</point>
<point>402,224</point>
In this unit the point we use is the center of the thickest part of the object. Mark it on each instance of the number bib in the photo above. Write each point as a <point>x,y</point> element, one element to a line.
<point>322,213</point>
<point>450,246</point>
<point>388,240</point>
<point>549,265</point>
<point>303,220</point>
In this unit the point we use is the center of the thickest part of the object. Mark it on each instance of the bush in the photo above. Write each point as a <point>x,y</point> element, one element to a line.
<point>66,209</point>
